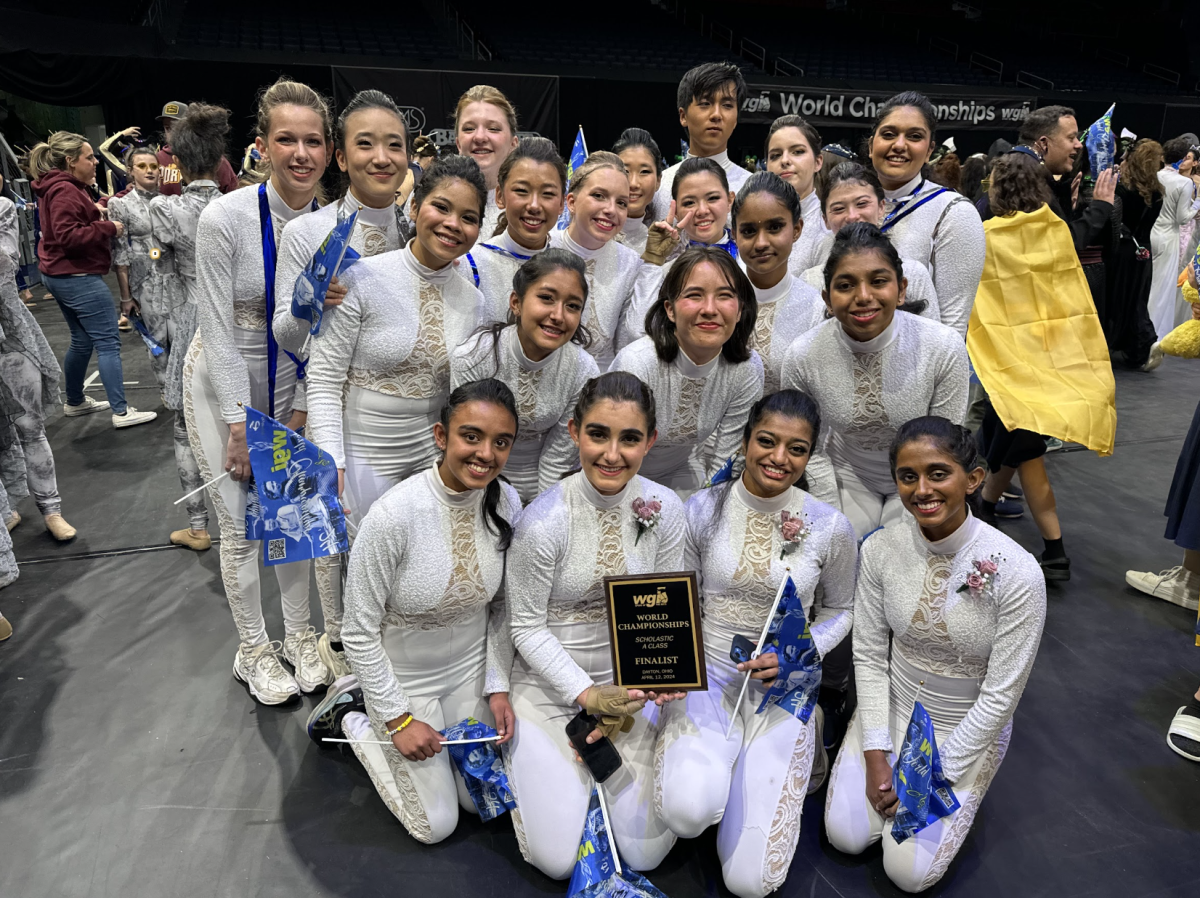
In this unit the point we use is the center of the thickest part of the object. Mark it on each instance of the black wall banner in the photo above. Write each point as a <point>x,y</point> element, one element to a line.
<point>823,106</point>
<point>427,97</point>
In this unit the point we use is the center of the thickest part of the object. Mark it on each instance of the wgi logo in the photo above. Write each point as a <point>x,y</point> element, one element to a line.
<point>653,600</point>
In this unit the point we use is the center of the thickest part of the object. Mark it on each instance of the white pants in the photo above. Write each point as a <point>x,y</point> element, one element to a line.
<point>442,671</point>
<point>865,505</point>
<point>552,789</point>
<point>853,825</point>
<point>241,568</point>
<point>752,784</point>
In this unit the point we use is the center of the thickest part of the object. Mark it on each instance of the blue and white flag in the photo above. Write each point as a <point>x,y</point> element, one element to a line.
<point>597,873</point>
<point>332,257</point>
<point>292,502</point>
<point>795,689</point>
<point>153,345</point>
<point>724,474</point>
<point>578,157</point>
<point>925,796</point>
<point>481,767</point>
<point>1100,143</point>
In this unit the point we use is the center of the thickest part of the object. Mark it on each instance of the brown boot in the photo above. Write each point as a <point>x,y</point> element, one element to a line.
<point>59,528</point>
<point>192,539</point>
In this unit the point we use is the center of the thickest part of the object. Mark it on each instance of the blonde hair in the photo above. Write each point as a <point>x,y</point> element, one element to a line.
<point>485,93</point>
<point>285,92</point>
<point>54,153</point>
<point>594,163</point>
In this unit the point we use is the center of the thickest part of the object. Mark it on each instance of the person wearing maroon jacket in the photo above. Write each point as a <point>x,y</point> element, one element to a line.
<point>74,254</point>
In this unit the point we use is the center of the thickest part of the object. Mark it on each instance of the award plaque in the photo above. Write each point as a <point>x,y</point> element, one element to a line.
<point>654,630</point>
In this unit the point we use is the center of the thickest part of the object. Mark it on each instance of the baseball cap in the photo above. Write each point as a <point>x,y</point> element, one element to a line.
<point>173,110</point>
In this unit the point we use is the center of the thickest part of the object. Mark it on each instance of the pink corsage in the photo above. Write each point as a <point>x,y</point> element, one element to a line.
<point>793,529</point>
<point>646,515</point>
<point>981,578</point>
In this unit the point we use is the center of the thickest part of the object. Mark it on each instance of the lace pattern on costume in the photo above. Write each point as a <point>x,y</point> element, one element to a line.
<point>593,325</point>
<point>374,240</point>
<point>465,594</point>
<point>685,423</point>
<point>869,426</point>
<point>250,314</point>
<point>610,561</point>
<point>764,329</point>
<point>926,642</point>
<point>528,389</point>
<point>426,371</point>
<point>785,825</point>
<point>743,604</point>
<point>410,812</point>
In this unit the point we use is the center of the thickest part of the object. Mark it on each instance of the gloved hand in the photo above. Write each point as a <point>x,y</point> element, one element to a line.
<point>613,707</point>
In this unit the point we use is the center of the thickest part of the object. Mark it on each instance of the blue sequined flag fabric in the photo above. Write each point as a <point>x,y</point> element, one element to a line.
<point>725,474</point>
<point>481,767</point>
<point>153,345</point>
<point>291,501</point>
<point>1100,143</point>
<point>332,257</point>
<point>795,689</point>
<point>925,796</point>
<point>595,874</point>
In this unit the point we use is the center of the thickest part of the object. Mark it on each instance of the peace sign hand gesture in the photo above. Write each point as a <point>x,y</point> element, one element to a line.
<point>664,235</point>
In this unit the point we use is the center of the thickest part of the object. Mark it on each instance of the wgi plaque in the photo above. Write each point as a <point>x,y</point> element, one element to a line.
<point>654,630</point>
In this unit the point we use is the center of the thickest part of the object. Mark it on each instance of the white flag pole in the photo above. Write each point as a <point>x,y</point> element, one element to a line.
<point>758,649</point>
<point>444,742</point>
<point>199,488</point>
<point>612,843</point>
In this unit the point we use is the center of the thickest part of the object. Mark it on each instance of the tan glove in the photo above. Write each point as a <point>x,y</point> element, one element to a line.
<point>614,708</point>
<point>659,244</point>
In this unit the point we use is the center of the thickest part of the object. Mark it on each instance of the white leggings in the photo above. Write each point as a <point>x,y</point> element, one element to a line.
<point>752,784</point>
<point>865,505</point>
<point>552,789</point>
<point>853,825</point>
<point>442,672</point>
<point>241,566</point>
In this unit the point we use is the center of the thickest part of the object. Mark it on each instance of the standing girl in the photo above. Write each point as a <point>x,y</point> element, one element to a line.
<point>696,358</point>
<point>575,534</point>
<point>754,782</point>
<point>869,370</point>
<point>793,152</point>
<point>949,608</point>
<point>937,227</point>
<point>643,164</point>
<point>235,362</point>
<point>530,188</point>
<point>767,222</point>
<point>541,355</point>
<point>485,125</point>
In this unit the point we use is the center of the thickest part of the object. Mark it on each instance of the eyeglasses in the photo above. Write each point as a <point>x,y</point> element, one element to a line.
<point>146,166</point>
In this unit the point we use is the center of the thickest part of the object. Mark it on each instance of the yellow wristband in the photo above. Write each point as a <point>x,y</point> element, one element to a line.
<point>406,722</point>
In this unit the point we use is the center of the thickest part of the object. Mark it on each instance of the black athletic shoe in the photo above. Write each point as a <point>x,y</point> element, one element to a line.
<point>1012,491</point>
<point>1009,509</point>
<point>325,720</point>
<point>833,704</point>
<point>1056,568</point>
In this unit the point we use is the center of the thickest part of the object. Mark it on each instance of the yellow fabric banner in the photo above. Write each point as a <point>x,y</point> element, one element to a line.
<point>1035,338</point>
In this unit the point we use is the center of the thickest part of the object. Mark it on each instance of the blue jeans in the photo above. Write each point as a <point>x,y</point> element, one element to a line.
<point>91,314</point>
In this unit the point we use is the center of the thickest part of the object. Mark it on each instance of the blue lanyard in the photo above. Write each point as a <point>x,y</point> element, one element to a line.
<point>907,206</point>
<point>728,244</point>
<point>270,260</point>
<point>506,252</point>
<point>474,269</point>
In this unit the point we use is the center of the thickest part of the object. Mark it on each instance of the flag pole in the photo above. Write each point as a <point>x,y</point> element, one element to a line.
<point>612,843</point>
<point>443,742</point>
<point>761,639</point>
<point>583,140</point>
<point>215,480</point>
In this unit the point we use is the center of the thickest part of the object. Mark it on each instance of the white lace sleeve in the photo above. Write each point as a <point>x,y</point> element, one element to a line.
<point>747,391</point>
<point>330,356</point>
<point>835,616</point>
<point>290,331</point>
<point>871,633</point>
<point>822,482</point>
<point>216,248</point>
<point>950,394</point>
<point>959,248</point>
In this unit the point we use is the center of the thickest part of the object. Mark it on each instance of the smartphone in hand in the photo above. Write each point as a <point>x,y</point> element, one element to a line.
<point>600,757</point>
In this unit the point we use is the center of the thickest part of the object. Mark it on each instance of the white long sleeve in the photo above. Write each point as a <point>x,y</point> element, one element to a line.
<point>9,232</point>
<point>813,245</point>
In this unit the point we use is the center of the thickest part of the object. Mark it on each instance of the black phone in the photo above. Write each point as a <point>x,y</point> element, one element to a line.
<point>742,649</point>
<point>600,757</point>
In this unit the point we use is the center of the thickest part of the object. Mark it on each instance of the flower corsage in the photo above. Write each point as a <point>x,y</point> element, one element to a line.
<point>792,529</point>
<point>986,571</point>
<point>646,515</point>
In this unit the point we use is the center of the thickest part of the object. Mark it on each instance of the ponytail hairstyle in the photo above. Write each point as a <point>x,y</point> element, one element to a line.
<point>849,173</point>
<point>54,153</point>
<point>953,439</point>
<point>811,134</point>
<point>632,138</point>
<point>491,391</point>
<point>617,386</point>
<point>198,140</point>
<point>661,329</point>
<point>451,168</point>
<point>694,165</point>
<point>594,163</point>
<point>864,237</point>
<point>794,404</point>
<point>536,149</point>
<point>485,93</point>
<point>368,99</point>
<point>768,182</point>
<point>286,93</point>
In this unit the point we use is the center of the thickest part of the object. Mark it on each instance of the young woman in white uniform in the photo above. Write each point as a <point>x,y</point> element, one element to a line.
<point>229,367</point>
<point>371,148</point>
<point>531,187</point>
<point>937,227</point>
<point>753,784</point>
<point>570,538</point>
<point>870,370</point>
<point>485,128</point>
<point>643,164</point>
<point>425,628</point>
<point>541,356</point>
<point>793,152</point>
<point>766,223</point>
<point>967,652</point>
<point>697,359</point>
<point>599,202</point>
<point>380,374</point>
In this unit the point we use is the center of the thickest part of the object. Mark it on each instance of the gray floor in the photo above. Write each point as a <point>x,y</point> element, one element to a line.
<point>131,763</point>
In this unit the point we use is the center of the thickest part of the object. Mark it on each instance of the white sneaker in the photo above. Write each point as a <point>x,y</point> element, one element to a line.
<point>1155,359</point>
<point>335,661</point>
<point>133,417</point>
<point>258,667</point>
<point>300,651</point>
<point>86,407</point>
<point>1177,586</point>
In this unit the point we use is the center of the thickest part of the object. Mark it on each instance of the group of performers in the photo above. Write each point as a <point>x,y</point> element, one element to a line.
<point>501,396</point>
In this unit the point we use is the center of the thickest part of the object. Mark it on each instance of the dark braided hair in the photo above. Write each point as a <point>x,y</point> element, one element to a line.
<point>864,237</point>
<point>953,439</point>
<point>491,391</point>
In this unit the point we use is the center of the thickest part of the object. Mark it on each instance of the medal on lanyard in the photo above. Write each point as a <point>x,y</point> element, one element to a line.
<point>906,206</point>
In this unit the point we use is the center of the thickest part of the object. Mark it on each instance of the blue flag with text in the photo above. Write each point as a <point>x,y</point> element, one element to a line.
<point>596,871</point>
<point>332,257</point>
<point>481,767</point>
<point>799,681</point>
<point>925,796</point>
